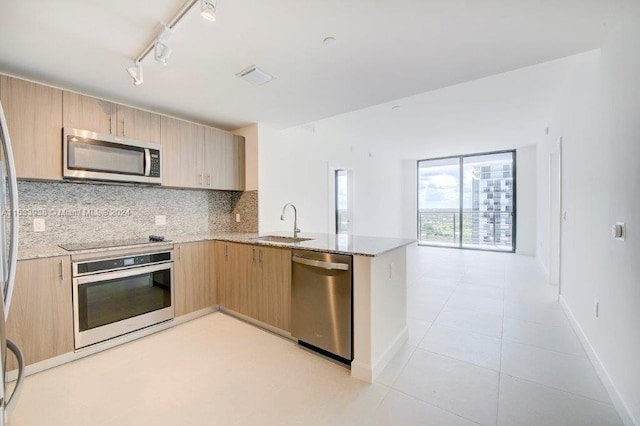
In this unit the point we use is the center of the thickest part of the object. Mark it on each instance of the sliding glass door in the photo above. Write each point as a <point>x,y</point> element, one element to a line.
<point>468,201</point>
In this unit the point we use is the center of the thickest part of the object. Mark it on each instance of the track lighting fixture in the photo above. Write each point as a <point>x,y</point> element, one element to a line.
<point>159,46</point>
<point>208,9</point>
<point>161,52</point>
<point>136,73</point>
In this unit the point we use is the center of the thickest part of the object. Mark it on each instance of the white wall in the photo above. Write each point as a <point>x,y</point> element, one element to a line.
<point>526,200</point>
<point>382,145</point>
<point>294,167</point>
<point>598,119</point>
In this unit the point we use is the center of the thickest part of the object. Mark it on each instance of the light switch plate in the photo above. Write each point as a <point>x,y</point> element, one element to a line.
<point>237,217</point>
<point>161,220</point>
<point>38,225</point>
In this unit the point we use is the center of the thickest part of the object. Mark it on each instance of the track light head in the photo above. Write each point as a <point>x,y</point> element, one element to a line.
<point>208,9</point>
<point>162,52</point>
<point>136,73</point>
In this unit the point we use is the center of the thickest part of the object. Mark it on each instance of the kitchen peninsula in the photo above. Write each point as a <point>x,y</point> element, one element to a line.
<point>379,286</point>
<point>379,291</point>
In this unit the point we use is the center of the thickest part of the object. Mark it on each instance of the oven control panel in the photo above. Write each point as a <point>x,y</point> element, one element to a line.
<point>103,265</point>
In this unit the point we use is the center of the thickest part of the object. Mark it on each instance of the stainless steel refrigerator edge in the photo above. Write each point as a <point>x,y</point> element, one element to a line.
<point>8,257</point>
<point>321,301</point>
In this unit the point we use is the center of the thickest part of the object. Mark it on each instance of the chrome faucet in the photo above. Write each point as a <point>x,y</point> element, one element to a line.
<point>295,219</point>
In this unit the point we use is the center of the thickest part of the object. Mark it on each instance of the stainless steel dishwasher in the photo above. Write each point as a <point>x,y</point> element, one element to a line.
<point>321,303</point>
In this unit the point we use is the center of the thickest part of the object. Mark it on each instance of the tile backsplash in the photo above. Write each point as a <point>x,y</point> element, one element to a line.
<point>79,212</point>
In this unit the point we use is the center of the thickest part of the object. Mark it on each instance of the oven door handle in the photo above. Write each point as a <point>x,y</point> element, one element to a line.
<point>104,276</point>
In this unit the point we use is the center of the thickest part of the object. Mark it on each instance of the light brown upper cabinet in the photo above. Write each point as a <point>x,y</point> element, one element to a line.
<point>34,119</point>
<point>224,160</point>
<point>194,277</point>
<point>195,156</point>
<point>87,113</point>
<point>137,124</point>
<point>182,154</point>
<point>41,315</point>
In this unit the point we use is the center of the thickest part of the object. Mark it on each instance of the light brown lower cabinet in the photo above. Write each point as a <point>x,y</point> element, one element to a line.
<point>194,279</point>
<point>41,314</point>
<point>255,281</point>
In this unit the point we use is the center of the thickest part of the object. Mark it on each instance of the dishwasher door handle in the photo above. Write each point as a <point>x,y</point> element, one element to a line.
<point>320,264</point>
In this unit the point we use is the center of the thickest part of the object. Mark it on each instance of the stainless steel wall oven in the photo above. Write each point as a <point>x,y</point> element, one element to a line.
<point>117,295</point>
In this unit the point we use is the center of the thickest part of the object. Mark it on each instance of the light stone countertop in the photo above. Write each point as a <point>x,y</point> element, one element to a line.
<point>326,243</point>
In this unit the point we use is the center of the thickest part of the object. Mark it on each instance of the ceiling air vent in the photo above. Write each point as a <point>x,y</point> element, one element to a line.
<point>255,75</point>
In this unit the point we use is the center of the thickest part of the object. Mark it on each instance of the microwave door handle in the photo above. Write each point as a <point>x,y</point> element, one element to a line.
<point>147,162</point>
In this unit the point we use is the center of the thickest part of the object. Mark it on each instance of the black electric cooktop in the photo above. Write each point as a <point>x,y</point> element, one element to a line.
<point>111,243</point>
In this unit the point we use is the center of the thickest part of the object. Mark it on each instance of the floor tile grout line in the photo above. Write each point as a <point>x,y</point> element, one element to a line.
<point>462,330</point>
<point>434,405</point>
<point>458,359</point>
<point>511,341</point>
<point>559,390</point>
<point>393,382</point>
<point>539,323</point>
<point>508,340</point>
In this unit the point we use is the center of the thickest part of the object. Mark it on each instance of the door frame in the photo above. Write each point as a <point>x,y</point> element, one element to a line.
<point>555,203</point>
<point>331,192</point>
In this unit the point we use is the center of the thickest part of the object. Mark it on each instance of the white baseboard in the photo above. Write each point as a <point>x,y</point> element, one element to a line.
<point>388,355</point>
<point>369,373</point>
<point>616,398</point>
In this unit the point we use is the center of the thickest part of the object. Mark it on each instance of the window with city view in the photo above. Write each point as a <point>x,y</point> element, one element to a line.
<point>467,201</point>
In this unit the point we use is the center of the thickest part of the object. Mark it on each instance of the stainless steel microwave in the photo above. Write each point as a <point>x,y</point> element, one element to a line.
<point>93,156</point>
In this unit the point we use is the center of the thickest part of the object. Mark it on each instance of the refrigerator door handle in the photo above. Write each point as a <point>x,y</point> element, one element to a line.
<point>16,390</point>
<point>13,188</point>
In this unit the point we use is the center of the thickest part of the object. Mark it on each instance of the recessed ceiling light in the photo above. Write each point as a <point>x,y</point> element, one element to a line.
<point>329,41</point>
<point>255,75</point>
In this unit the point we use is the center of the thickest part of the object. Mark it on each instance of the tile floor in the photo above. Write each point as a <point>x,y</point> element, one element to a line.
<point>488,344</point>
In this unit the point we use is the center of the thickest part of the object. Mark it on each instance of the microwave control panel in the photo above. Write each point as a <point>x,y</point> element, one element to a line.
<point>155,163</point>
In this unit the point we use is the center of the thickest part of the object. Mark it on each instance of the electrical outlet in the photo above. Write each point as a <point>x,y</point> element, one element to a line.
<point>237,217</point>
<point>38,225</point>
<point>161,220</point>
<point>596,309</point>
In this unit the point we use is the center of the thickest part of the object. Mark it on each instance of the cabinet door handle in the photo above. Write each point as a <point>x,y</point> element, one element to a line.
<point>124,128</point>
<point>208,180</point>
<point>110,125</point>
<point>226,251</point>
<point>200,179</point>
<point>61,272</point>
<point>179,252</point>
<point>259,256</point>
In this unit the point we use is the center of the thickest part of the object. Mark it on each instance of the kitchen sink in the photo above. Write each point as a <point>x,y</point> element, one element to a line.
<point>281,239</point>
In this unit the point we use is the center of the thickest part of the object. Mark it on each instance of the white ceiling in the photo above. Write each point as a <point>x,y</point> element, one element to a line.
<point>503,111</point>
<point>386,50</point>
